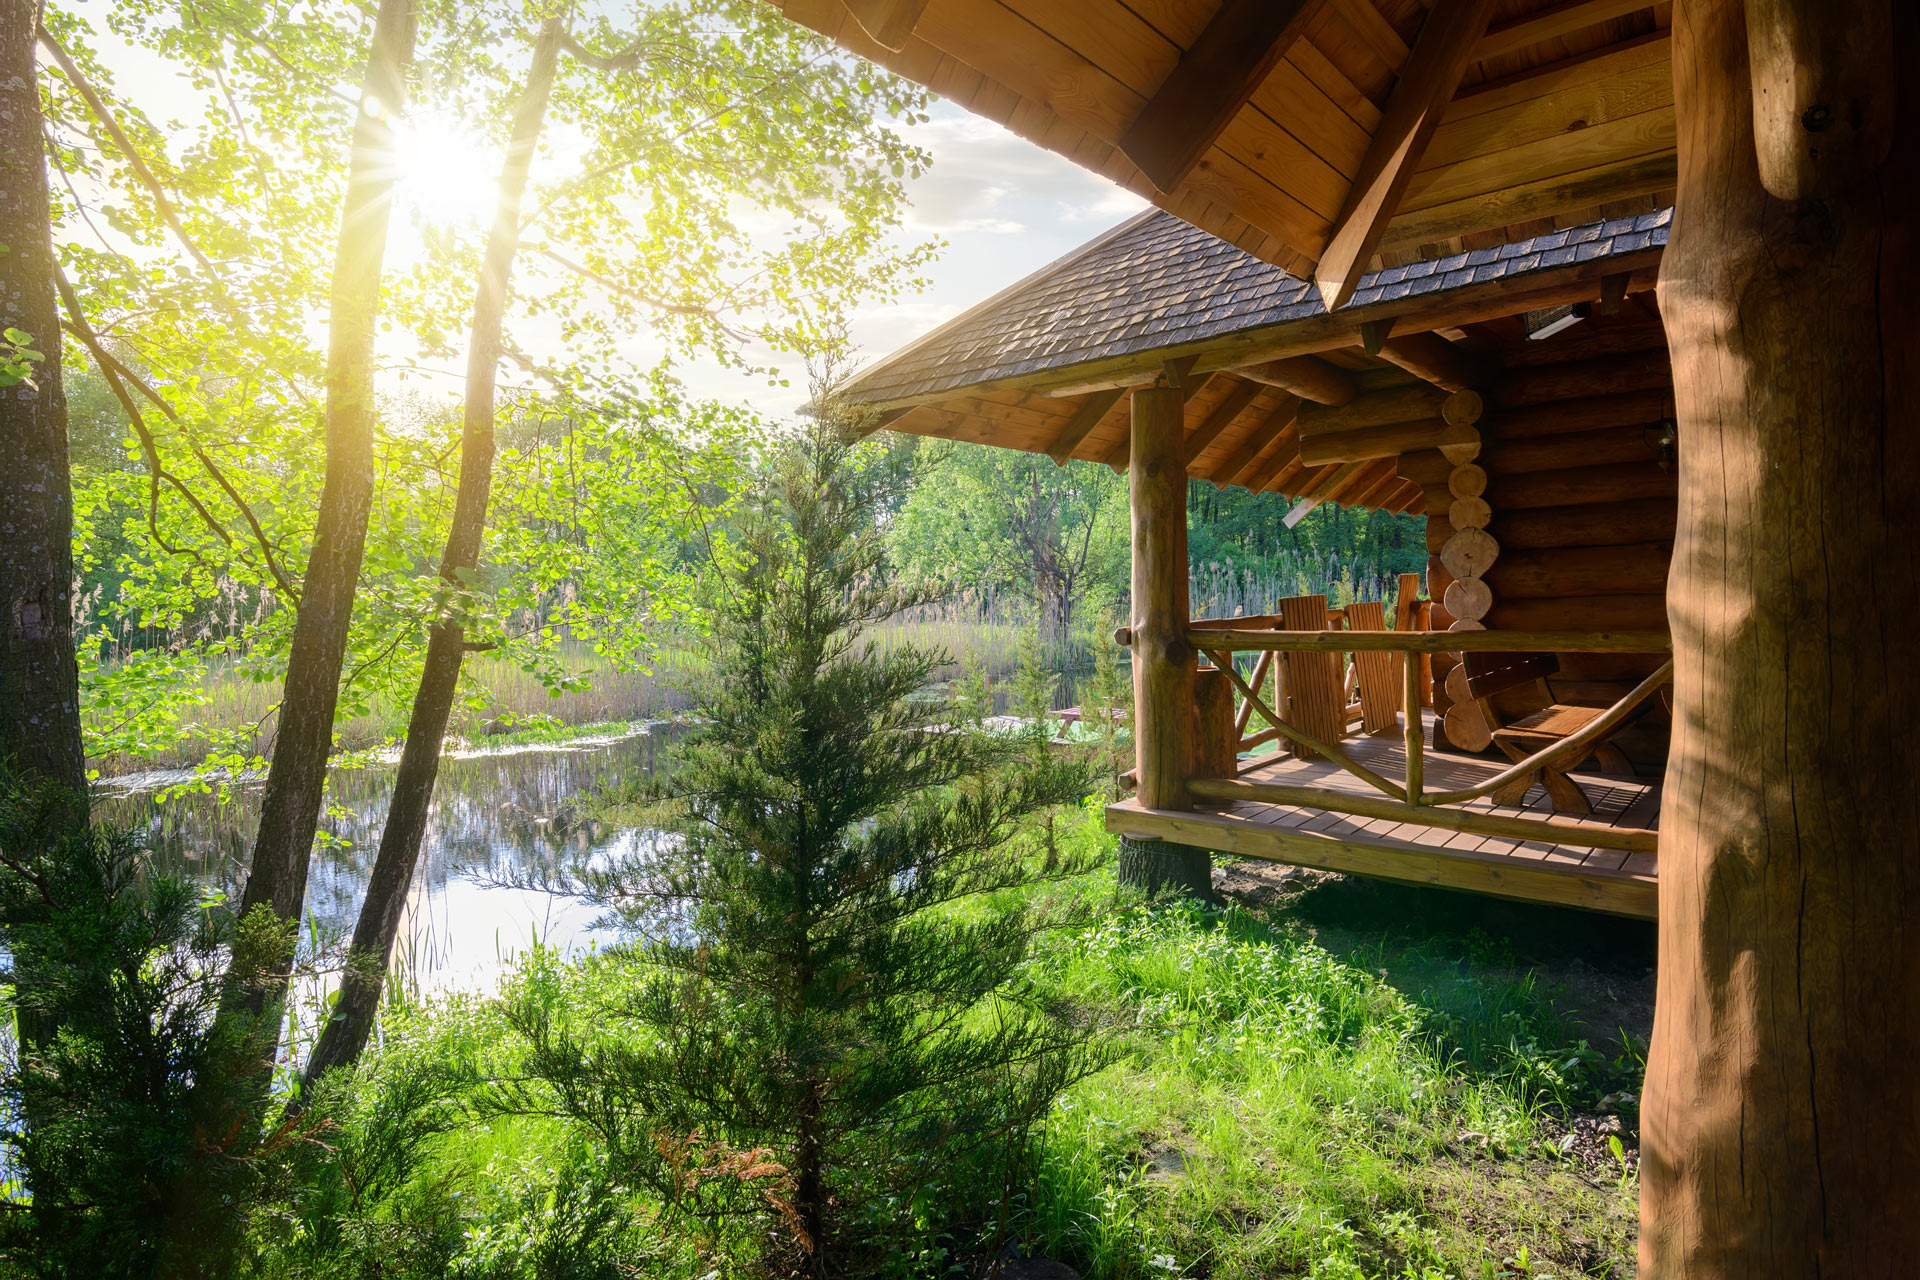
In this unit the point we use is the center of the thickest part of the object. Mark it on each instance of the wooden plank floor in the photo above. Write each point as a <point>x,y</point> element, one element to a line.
<point>1570,875</point>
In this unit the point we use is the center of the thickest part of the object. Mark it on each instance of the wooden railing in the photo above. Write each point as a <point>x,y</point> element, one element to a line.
<point>1408,800</point>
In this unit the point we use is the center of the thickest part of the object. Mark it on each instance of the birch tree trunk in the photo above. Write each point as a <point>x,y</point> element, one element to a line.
<point>1781,1123</point>
<point>373,935</point>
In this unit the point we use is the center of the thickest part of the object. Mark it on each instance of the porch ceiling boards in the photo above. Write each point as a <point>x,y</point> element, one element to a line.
<point>1568,875</point>
<point>1324,136</point>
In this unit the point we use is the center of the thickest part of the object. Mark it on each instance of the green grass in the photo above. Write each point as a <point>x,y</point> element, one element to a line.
<point>1335,1103</point>
<point>1352,1082</point>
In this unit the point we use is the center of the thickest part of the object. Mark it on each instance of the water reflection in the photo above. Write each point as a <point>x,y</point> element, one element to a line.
<point>497,817</point>
<point>500,818</point>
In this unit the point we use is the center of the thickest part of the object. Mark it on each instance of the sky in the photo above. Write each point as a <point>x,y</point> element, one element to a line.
<point>1004,208</point>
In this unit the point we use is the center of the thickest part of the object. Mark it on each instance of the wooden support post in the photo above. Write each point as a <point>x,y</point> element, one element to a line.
<point>1410,724</point>
<point>1163,660</point>
<point>1216,738</point>
<point>1780,1123</point>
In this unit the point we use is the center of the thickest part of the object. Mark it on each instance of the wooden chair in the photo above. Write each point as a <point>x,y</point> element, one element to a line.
<point>1312,685</point>
<point>1375,684</point>
<point>1489,674</point>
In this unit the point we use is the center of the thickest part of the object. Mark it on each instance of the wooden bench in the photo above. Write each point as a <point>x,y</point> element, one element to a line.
<point>1489,674</point>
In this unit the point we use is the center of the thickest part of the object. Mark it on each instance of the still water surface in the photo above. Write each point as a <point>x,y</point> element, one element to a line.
<point>492,822</point>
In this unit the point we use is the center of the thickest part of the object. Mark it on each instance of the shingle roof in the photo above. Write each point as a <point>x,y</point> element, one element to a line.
<point>1156,281</point>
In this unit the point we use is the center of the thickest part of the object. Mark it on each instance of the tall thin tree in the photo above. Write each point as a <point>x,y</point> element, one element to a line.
<point>373,935</point>
<point>39,681</point>
<point>290,807</point>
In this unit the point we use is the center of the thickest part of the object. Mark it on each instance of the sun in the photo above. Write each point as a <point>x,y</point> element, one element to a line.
<point>446,175</point>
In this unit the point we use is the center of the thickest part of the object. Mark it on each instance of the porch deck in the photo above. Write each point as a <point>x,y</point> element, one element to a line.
<point>1568,875</point>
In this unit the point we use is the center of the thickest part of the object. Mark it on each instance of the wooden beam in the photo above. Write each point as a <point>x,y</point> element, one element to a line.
<point>1406,403</point>
<point>1221,417</point>
<point>1085,419</point>
<point>1619,892</point>
<point>1229,59</point>
<point>1431,357</point>
<point>1440,57</point>
<point>1388,440</point>
<point>1551,24</point>
<point>1546,197</point>
<point>889,22</point>
<point>1306,377</point>
<point>1335,480</point>
<point>1257,439</point>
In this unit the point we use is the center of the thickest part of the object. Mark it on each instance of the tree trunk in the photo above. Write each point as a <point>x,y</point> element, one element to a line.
<point>373,935</point>
<point>39,681</point>
<point>290,808</point>
<point>1781,1124</point>
<point>1162,866</point>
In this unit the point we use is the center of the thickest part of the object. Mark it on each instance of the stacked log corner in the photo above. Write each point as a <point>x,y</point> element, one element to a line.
<point>1576,508</point>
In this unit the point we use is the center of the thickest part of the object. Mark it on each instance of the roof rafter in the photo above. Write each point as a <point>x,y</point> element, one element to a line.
<point>1259,438</point>
<point>1211,83</point>
<point>1221,418</point>
<point>1441,55</point>
<point>1085,419</point>
<point>1549,24</point>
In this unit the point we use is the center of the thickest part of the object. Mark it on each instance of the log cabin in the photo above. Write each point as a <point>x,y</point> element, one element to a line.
<point>1335,139</point>
<point>1535,438</point>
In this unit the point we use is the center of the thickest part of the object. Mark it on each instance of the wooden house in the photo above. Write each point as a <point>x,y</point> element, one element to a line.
<point>1552,446</point>
<point>1337,139</point>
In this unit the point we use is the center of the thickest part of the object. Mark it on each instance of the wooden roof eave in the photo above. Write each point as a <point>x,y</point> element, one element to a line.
<point>1316,114</point>
<point>1468,304</point>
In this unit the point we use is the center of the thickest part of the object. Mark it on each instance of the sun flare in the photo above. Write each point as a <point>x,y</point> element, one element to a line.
<point>446,175</point>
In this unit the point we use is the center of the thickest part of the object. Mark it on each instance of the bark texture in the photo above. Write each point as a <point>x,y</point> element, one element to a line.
<point>1781,1123</point>
<point>379,922</point>
<point>1161,866</point>
<point>39,681</point>
<point>296,779</point>
<point>1163,661</point>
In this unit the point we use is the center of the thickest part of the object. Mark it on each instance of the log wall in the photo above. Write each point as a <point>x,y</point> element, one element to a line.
<point>1582,508</point>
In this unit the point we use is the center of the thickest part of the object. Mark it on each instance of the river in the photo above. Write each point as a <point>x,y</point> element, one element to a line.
<point>492,824</point>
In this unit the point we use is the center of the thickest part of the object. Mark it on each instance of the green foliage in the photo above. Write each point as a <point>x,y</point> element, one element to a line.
<point>999,519</point>
<point>17,357</point>
<point>131,1092</point>
<point>715,180</point>
<point>828,988</point>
